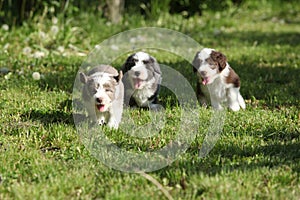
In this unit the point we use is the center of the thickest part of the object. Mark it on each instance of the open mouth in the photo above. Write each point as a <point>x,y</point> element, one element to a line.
<point>137,83</point>
<point>205,80</point>
<point>100,107</point>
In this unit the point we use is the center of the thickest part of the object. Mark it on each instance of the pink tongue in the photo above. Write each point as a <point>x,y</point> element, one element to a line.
<point>204,81</point>
<point>100,107</point>
<point>137,83</point>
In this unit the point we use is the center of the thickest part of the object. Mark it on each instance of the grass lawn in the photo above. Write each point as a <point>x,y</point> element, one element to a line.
<point>256,157</point>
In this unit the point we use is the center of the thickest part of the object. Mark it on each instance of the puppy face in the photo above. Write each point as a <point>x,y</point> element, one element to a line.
<point>99,90</point>
<point>209,64</point>
<point>140,67</point>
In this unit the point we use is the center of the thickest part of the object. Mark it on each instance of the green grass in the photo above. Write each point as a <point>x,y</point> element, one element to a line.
<point>256,157</point>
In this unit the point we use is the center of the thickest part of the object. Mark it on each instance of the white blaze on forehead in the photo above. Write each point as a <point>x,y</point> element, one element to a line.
<point>207,50</point>
<point>141,56</point>
<point>205,53</point>
<point>101,77</point>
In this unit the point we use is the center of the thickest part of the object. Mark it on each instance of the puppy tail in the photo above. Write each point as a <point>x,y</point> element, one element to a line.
<point>241,101</point>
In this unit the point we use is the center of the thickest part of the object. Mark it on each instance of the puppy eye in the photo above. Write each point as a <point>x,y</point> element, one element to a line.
<point>108,90</point>
<point>213,66</point>
<point>146,62</point>
<point>97,85</point>
<point>135,60</point>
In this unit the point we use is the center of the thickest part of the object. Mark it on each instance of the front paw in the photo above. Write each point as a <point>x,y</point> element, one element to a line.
<point>113,125</point>
<point>156,107</point>
<point>234,107</point>
<point>217,107</point>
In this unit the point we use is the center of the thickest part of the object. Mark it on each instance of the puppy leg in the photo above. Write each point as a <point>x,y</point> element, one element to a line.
<point>215,103</point>
<point>91,111</point>
<point>113,122</point>
<point>215,98</point>
<point>241,101</point>
<point>156,107</point>
<point>115,115</point>
<point>232,96</point>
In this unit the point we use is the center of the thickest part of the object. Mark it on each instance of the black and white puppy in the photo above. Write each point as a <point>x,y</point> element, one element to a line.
<point>217,80</point>
<point>103,95</point>
<point>142,79</point>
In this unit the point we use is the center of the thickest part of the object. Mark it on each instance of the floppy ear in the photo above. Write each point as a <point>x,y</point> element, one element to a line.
<point>155,65</point>
<point>119,77</point>
<point>83,78</point>
<point>196,62</point>
<point>128,63</point>
<point>219,58</point>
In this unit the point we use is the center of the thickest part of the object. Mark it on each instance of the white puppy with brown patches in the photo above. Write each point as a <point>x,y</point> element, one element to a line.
<point>142,79</point>
<point>217,80</point>
<point>103,95</point>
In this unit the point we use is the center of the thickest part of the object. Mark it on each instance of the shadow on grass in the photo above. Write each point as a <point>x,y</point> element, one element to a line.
<point>53,81</point>
<point>270,156</point>
<point>272,73</point>
<point>59,73</point>
<point>269,38</point>
<point>62,115</point>
<point>49,116</point>
<point>273,156</point>
<point>281,149</point>
<point>275,86</point>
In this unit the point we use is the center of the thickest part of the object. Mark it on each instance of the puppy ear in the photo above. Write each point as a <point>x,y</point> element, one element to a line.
<point>83,78</point>
<point>155,65</point>
<point>128,63</point>
<point>109,69</point>
<point>152,59</point>
<point>220,59</point>
<point>196,62</point>
<point>119,77</point>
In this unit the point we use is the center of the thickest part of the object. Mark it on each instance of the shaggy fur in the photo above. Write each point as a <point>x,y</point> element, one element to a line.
<point>103,95</point>
<point>142,78</point>
<point>217,80</point>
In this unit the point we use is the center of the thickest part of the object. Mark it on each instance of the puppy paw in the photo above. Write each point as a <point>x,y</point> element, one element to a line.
<point>217,107</point>
<point>234,107</point>
<point>156,107</point>
<point>113,123</point>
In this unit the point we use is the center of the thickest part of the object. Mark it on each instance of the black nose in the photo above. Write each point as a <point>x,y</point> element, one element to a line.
<point>203,73</point>
<point>137,73</point>
<point>99,100</point>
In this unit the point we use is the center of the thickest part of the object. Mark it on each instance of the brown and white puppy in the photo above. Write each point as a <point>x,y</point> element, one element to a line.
<point>217,80</point>
<point>103,95</point>
<point>142,79</point>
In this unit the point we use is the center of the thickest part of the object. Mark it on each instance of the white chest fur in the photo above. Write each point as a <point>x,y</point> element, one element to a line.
<point>141,96</point>
<point>217,89</point>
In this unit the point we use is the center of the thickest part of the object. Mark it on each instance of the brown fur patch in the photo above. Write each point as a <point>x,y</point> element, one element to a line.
<point>213,64</point>
<point>219,58</point>
<point>233,78</point>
